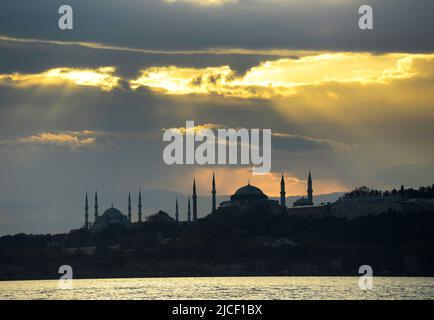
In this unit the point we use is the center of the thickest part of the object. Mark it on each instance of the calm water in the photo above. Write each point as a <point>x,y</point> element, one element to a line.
<point>222,288</point>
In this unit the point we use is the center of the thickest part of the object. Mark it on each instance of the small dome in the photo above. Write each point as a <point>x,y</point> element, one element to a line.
<point>302,202</point>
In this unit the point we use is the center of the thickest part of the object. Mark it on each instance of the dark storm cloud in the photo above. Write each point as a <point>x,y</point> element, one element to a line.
<point>34,58</point>
<point>400,25</point>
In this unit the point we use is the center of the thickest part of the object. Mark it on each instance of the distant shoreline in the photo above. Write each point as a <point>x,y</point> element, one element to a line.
<point>222,276</point>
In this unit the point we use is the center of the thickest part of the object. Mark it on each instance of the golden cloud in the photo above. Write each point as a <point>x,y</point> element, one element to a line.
<point>197,129</point>
<point>285,77</point>
<point>271,79</point>
<point>102,78</point>
<point>85,140</point>
<point>82,140</point>
<point>74,140</point>
<point>176,80</point>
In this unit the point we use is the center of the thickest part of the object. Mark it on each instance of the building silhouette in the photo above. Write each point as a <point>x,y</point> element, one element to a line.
<point>110,216</point>
<point>140,206</point>
<point>282,193</point>
<point>176,211</point>
<point>248,196</point>
<point>194,197</point>
<point>129,207</point>
<point>96,206</point>
<point>188,211</point>
<point>86,214</point>
<point>213,192</point>
<point>309,200</point>
<point>359,202</point>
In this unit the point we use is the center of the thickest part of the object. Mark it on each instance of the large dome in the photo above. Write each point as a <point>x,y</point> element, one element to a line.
<point>248,192</point>
<point>109,217</point>
<point>112,213</point>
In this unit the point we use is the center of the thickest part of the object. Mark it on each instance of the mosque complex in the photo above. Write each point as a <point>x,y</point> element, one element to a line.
<point>245,197</point>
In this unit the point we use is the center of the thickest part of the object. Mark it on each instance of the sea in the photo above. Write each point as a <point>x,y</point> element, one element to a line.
<point>237,288</point>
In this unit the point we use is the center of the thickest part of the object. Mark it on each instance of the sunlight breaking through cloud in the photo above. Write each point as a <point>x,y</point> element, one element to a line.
<point>282,78</point>
<point>102,78</point>
<point>270,79</point>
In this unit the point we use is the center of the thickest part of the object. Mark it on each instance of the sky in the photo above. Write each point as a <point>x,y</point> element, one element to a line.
<point>85,109</point>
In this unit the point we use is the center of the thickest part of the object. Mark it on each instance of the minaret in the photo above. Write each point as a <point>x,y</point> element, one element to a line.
<point>176,211</point>
<point>194,201</point>
<point>129,206</point>
<point>309,189</point>
<point>86,214</point>
<point>188,211</point>
<point>96,205</point>
<point>282,193</point>
<point>213,194</point>
<point>140,206</point>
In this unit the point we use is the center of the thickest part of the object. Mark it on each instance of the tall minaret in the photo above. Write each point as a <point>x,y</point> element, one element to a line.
<point>96,205</point>
<point>129,206</point>
<point>309,189</point>
<point>140,206</point>
<point>86,214</point>
<point>213,194</point>
<point>188,211</point>
<point>194,201</point>
<point>176,211</point>
<point>282,193</point>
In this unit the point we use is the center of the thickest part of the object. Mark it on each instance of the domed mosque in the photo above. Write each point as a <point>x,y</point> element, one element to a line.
<point>245,197</point>
<point>111,216</point>
<point>250,197</point>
